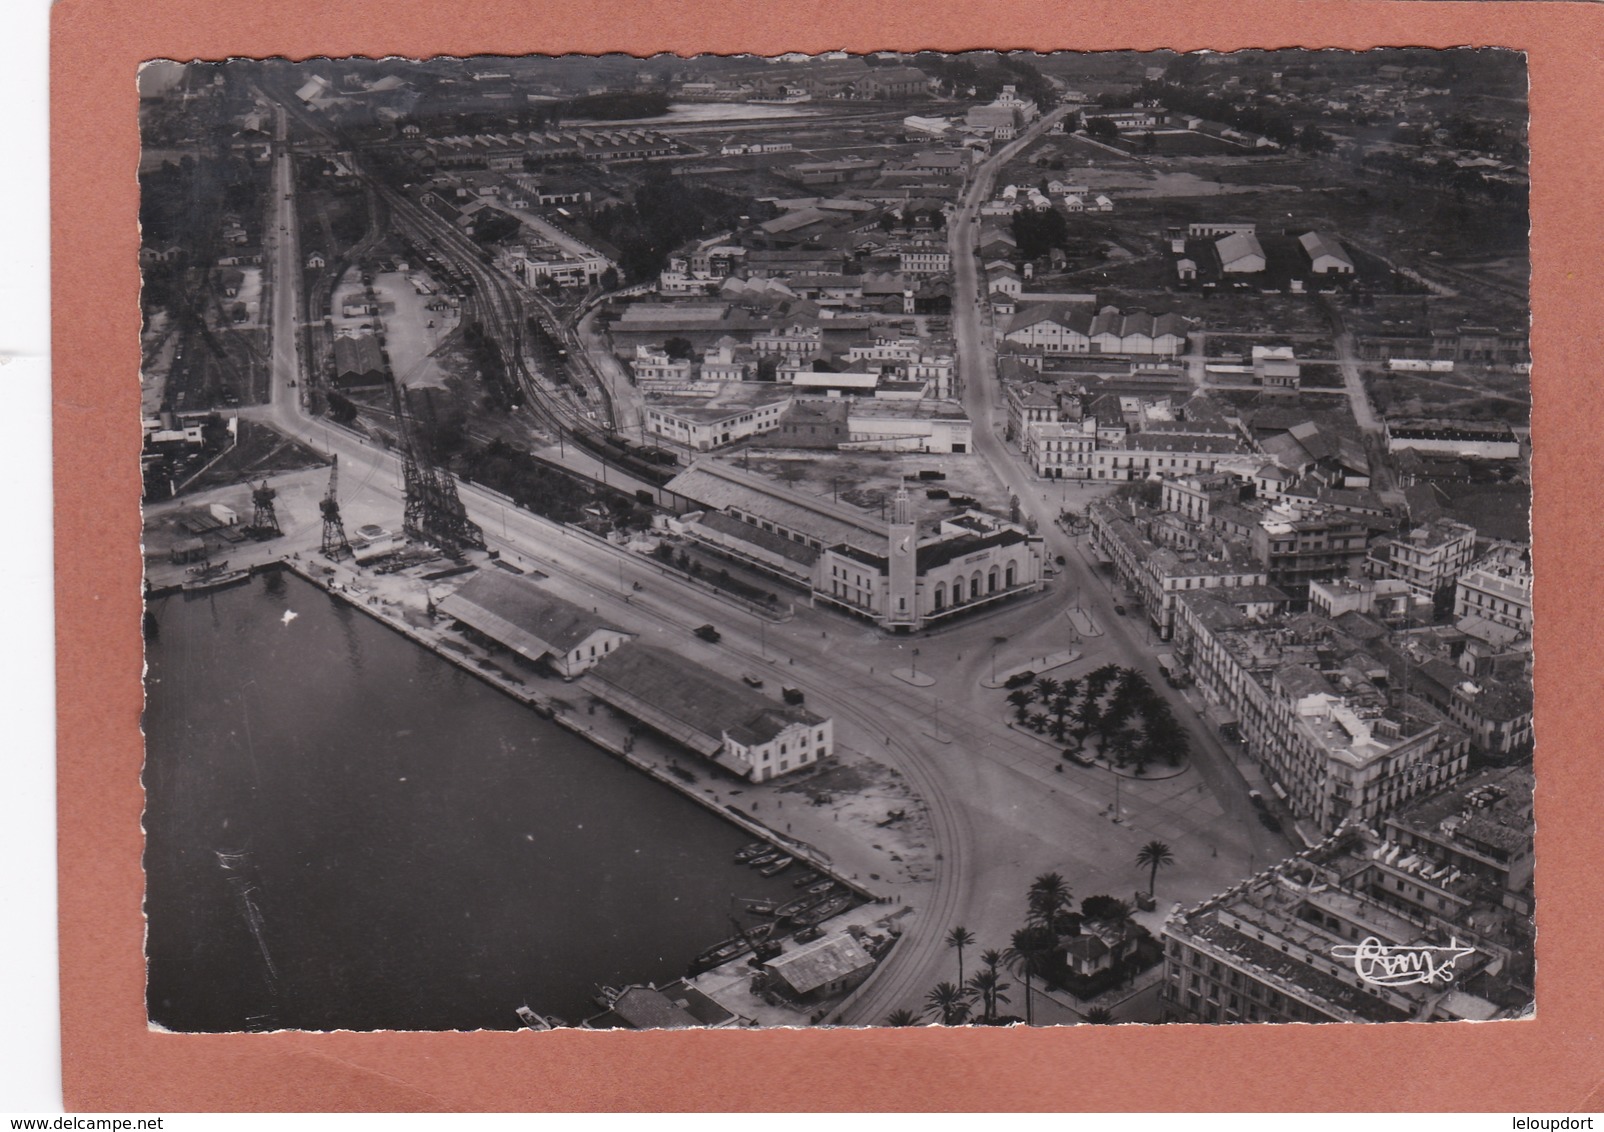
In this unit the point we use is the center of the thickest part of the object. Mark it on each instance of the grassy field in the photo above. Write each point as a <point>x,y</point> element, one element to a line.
<point>1476,396</point>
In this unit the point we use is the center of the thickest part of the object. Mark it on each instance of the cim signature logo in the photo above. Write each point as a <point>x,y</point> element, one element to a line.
<point>1387,966</point>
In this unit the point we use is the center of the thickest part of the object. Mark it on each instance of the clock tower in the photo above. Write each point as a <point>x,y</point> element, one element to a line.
<point>902,572</point>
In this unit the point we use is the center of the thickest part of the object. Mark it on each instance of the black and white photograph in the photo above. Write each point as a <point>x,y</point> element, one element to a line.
<point>846,540</point>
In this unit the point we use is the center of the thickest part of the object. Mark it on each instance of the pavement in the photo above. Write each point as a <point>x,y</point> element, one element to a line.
<point>1038,665</point>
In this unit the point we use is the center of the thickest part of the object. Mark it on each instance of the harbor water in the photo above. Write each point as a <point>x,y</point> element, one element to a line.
<point>346,831</point>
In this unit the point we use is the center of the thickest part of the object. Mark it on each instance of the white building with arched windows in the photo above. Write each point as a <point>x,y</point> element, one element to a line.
<point>968,561</point>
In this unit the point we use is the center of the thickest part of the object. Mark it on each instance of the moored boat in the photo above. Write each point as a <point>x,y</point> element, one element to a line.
<point>535,1021</point>
<point>776,867</point>
<point>821,888</point>
<point>764,859</point>
<point>821,912</point>
<point>217,581</point>
<point>805,879</point>
<point>795,907</point>
<point>720,954</point>
<point>746,852</point>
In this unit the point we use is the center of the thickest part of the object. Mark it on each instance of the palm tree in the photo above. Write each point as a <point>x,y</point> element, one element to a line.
<point>1046,689</point>
<point>948,1002</point>
<point>989,986</point>
<point>1165,738</point>
<point>1100,1016</point>
<point>1020,699</point>
<point>1060,706</point>
<point>1038,722</point>
<point>1118,744</point>
<point>1133,686</point>
<point>992,958</point>
<point>902,1017</point>
<point>1049,896</point>
<point>1098,681</point>
<point>1025,955</point>
<point>960,938</point>
<point>1151,856</point>
<point>1088,717</point>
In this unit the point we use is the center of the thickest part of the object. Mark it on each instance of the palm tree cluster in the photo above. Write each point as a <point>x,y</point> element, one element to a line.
<point>1036,954</point>
<point>1133,723</point>
<point>954,1004</point>
<point>1031,953</point>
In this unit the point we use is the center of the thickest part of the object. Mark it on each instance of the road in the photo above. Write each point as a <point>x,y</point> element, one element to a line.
<point>1381,477</point>
<point>1001,806</point>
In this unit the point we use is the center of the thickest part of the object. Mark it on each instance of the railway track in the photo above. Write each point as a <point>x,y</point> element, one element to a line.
<point>502,308</point>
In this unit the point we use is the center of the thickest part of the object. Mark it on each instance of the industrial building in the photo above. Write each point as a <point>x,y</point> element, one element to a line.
<point>532,623</point>
<point>723,720</point>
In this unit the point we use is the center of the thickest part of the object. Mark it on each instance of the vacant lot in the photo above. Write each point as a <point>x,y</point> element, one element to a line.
<point>1177,143</point>
<point>869,480</point>
<point>260,453</point>
<point>1481,396</point>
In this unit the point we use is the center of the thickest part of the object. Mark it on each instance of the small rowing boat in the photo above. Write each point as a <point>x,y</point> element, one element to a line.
<point>775,868</point>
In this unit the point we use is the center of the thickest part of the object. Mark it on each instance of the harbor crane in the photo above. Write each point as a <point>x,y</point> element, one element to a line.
<point>434,511</point>
<point>335,544</point>
<point>264,521</point>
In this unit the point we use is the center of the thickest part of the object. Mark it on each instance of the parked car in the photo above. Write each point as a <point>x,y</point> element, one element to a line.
<point>1269,822</point>
<point>791,695</point>
<point>1019,679</point>
<point>1257,799</point>
<point>707,633</point>
<point>751,681</point>
<point>1119,609</point>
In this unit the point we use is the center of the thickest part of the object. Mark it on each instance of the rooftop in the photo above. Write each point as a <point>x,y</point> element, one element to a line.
<point>1491,809</point>
<point>771,541</point>
<point>722,487</point>
<point>688,702</point>
<point>821,962</point>
<point>520,615</point>
<point>1285,925</point>
<point>673,1007</point>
